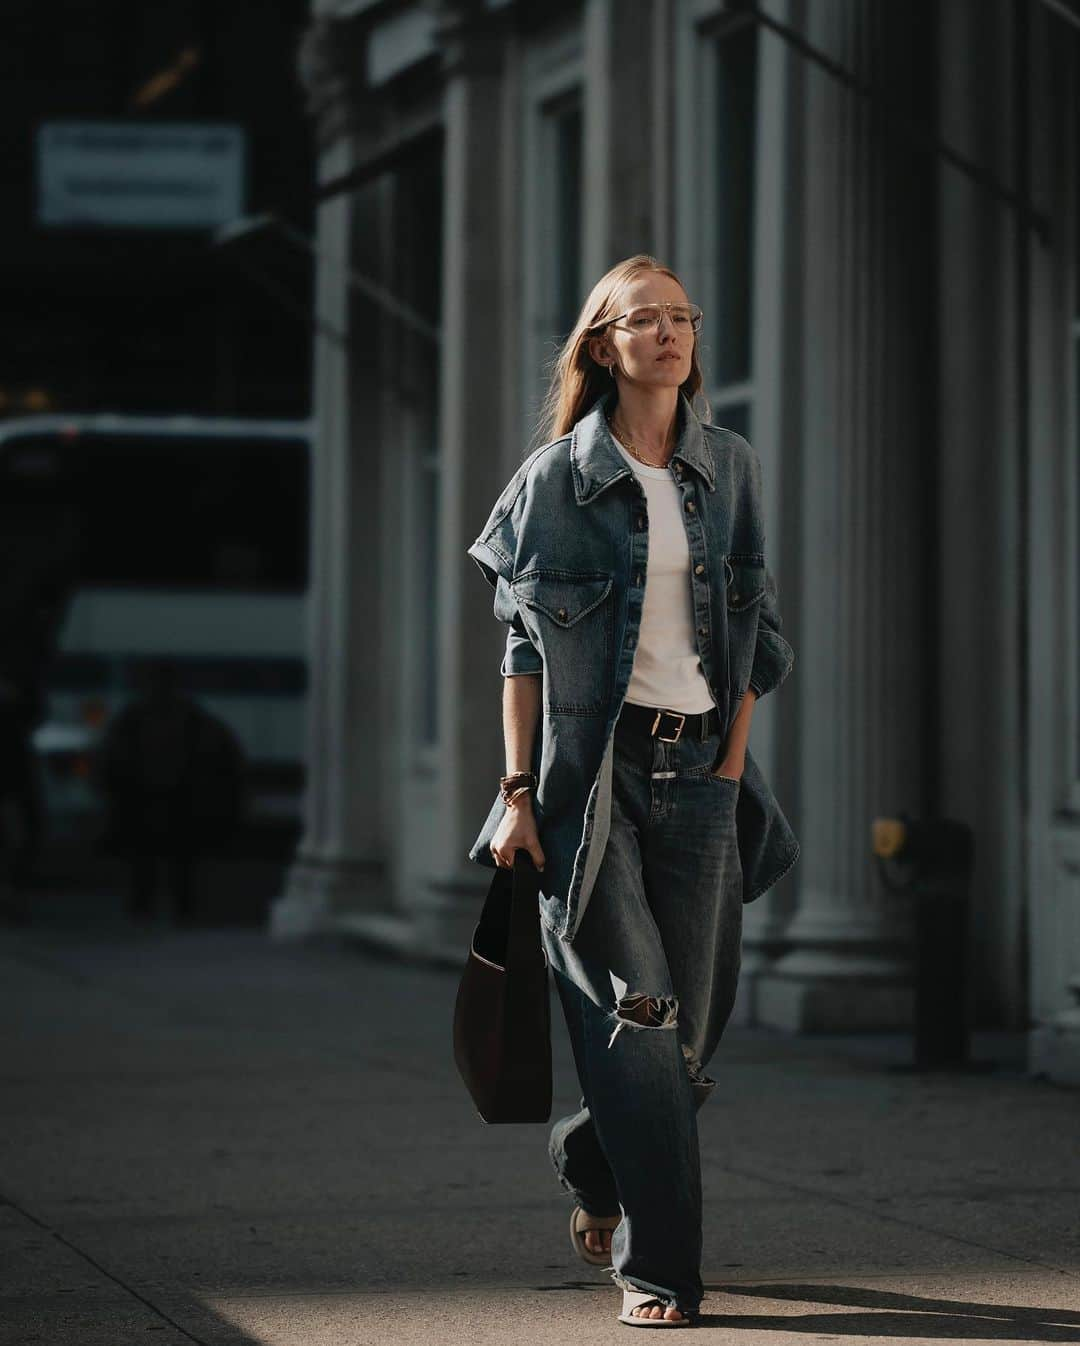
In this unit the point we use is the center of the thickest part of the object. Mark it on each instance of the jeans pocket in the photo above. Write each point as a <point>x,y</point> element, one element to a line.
<point>727,780</point>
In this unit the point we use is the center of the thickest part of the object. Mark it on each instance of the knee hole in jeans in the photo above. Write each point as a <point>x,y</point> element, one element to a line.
<point>638,1010</point>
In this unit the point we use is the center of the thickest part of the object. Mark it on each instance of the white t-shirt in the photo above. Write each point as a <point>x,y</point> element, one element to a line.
<point>667,670</point>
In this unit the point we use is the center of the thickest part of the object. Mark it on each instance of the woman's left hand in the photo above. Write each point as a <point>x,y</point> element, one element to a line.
<point>730,766</point>
<point>733,761</point>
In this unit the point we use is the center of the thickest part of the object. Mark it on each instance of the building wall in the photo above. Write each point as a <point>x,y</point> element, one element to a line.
<point>871,326</point>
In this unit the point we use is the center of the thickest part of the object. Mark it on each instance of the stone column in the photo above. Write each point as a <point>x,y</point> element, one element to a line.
<point>444,900</point>
<point>983,740</point>
<point>338,870</point>
<point>864,445</point>
<point>777,421</point>
<point>1050,828</point>
<point>1054,1042</point>
<point>620,162</point>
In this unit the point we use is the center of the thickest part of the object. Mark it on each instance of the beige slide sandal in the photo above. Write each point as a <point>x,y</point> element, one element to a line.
<point>580,1221</point>
<point>632,1299</point>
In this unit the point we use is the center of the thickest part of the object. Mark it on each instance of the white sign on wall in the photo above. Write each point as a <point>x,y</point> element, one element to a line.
<point>140,175</point>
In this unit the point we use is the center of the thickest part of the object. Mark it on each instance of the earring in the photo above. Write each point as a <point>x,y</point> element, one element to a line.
<point>611,369</point>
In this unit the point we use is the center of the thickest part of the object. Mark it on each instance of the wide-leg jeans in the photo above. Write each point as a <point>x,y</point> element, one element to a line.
<point>647,987</point>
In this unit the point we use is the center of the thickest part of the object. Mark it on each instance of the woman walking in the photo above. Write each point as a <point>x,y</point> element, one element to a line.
<point>627,558</point>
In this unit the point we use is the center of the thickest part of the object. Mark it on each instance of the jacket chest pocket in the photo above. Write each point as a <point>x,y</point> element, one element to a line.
<point>570,618</point>
<point>745,589</point>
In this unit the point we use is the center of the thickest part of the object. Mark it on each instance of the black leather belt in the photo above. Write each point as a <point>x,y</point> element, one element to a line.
<point>669,725</point>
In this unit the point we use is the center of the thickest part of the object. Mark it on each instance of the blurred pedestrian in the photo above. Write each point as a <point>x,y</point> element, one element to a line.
<point>21,809</point>
<point>40,549</point>
<point>174,777</point>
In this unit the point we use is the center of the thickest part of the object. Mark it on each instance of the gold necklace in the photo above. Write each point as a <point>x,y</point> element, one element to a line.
<point>628,445</point>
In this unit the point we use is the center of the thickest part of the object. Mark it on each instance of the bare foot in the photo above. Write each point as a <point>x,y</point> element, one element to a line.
<point>598,1240</point>
<point>656,1311</point>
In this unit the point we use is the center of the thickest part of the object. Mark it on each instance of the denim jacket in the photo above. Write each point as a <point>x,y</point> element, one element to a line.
<point>565,549</point>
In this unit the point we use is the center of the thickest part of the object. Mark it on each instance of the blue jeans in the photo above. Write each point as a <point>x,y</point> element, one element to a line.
<point>647,987</point>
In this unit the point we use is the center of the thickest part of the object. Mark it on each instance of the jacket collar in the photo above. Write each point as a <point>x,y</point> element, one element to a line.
<point>596,462</point>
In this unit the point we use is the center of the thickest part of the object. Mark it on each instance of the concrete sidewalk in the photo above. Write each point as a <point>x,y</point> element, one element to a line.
<point>214,1138</point>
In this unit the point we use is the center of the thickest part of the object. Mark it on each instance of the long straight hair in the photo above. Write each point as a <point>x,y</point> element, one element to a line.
<point>577,380</point>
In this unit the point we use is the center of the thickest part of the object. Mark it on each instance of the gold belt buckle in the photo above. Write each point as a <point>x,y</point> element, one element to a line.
<point>682,721</point>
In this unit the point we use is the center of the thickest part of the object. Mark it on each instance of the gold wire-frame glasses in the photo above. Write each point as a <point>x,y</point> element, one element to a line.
<point>647,317</point>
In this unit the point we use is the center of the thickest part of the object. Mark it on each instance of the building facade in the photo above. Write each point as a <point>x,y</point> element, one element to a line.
<point>876,206</point>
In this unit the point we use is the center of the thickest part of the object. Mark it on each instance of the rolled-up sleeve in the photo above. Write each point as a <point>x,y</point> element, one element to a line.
<point>773,656</point>
<point>521,654</point>
<point>493,551</point>
<point>492,560</point>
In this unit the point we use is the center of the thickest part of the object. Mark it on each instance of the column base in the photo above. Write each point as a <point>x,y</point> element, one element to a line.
<point>842,973</point>
<point>355,901</point>
<point>839,1005</point>
<point>405,937</point>
<point>319,892</point>
<point>435,924</point>
<point>1054,1048</point>
<point>744,1012</point>
<point>763,943</point>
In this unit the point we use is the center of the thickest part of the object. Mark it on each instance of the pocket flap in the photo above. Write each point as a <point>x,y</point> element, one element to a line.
<point>564,596</point>
<point>745,584</point>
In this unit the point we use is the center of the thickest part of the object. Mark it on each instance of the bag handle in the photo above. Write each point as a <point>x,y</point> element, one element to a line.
<point>523,944</point>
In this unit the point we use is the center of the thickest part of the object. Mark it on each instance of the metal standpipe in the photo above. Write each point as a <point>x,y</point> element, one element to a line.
<point>932,861</point>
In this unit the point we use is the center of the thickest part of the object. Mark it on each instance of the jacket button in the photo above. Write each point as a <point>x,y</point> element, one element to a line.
<point>637,578</point>
<point>699,569</point>
<point>561,614</point>
<point>703,630</point>
<point>690,507</point>
<point>640,522</point>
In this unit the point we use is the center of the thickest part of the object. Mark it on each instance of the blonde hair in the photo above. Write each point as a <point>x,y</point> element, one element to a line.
<point>577,380</point>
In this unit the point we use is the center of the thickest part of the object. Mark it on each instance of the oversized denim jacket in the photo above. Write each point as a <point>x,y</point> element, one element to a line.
<point>566,549</point>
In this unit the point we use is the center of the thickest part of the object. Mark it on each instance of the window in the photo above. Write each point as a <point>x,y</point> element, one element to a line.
<point>550,208</point>
<point>730,295</point>
<point>563,126</point>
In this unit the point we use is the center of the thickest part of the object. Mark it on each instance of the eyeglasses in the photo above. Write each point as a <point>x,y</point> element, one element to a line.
<point>647,317</point>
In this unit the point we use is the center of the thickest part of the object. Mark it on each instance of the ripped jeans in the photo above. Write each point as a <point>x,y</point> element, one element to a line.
<point>647,987</point>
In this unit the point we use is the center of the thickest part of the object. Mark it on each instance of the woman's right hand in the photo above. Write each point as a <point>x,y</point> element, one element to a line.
<point>517,831</point>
